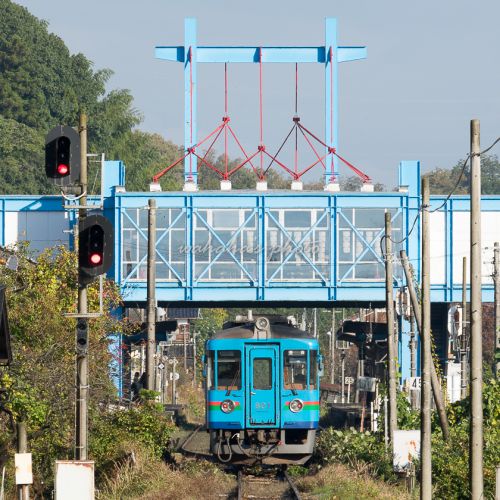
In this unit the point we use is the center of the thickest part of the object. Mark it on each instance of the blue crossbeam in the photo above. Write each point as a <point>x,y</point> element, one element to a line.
<point>251,54</point>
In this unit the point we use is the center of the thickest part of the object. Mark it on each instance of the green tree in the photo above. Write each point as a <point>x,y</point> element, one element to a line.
<point>41,380</point>
<point>21,157</point>
<point>444,181</point>
<point>42,85</point>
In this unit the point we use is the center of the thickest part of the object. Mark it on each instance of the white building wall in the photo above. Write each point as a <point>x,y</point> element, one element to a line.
<point>41,229</point>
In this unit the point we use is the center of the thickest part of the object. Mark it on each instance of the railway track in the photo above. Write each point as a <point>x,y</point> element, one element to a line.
<point>195,444</point>
<point>267,487</point>
<point>272,483</point>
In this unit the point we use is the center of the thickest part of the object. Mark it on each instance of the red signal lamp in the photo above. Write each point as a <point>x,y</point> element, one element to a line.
<point>95,259</point>
<point>62,169</point>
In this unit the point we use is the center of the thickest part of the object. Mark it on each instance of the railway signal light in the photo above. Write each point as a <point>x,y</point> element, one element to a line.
<point>95,247</point>
<point>62,156</point>
<point>82,337</point>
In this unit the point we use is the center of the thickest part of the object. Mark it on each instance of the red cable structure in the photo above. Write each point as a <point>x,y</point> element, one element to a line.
<point>261,151</point>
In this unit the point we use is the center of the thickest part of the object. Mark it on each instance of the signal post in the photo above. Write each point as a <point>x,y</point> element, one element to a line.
<point>66,167</point>
<point>82,369</point>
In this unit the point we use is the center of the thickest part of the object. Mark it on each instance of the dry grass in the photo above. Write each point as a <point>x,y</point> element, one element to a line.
<point>151,479</point>
<point>336,481</point>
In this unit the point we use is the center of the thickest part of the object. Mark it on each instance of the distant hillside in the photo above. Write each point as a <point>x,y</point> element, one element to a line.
<point>42,84</point>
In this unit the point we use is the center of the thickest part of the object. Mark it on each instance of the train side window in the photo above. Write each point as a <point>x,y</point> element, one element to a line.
<point>229,370</point>
<point>209,360</point>
<point>262,374</point>
<point>313,369</point>
<point>295,370</point>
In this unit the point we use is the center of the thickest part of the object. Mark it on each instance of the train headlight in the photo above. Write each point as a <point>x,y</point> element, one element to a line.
<point>296,405</point>
<point>227,406</point>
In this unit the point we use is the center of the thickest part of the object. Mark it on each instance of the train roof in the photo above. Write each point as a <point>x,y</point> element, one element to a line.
<point>276,327</point>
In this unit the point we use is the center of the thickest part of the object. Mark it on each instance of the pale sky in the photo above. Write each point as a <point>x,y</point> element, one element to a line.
<point>431,67</point>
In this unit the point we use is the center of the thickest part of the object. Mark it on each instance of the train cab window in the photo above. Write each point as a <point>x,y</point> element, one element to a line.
<point>229,370</point>
<point>313,370</point>
<point>210,369</point>
<point>295,370</point>
<point>262,374</point>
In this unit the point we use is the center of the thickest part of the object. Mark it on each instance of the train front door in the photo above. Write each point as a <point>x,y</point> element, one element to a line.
<point>262,385</point>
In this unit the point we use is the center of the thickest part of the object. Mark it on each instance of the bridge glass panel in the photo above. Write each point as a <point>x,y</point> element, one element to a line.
<point>170,244</point>
<point>297,245</point>
<point>225,245</point>
<point>359,248</point>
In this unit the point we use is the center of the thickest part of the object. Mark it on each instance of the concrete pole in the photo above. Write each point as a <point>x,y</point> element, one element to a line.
<point>426,356</point>
<point>151,296</point>
<point>389,307</point>
<point>23,491</point>
<point>496,281</point>
<point>342,355</point>
<point>436,386</point>
<point>476,346</point>
<point>413,357</point>
<point>184,331</point>
<point>82,367</point>
<point>315,323</point>
<point>464,343</point>
<point>332,349</point>
<point>194,358</point>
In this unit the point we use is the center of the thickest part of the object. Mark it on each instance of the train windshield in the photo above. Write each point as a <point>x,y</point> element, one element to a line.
<point>295,370</point>
<point>229,370</point>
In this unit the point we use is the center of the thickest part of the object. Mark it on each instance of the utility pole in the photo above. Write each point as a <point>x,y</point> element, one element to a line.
<point>315,323</point>
<point>389,306</point>
<point>464,343</point>
<point>82,368</point>
<point>426,356</point>
<point>476,346</point>
<point>496,281</point>
<point>436,386</point>
<point>194,358</point>
<point>151,296</point>
<point>332,349</point>
<point>413,356</point>
<point>342,364</point>
<point>23,490</point>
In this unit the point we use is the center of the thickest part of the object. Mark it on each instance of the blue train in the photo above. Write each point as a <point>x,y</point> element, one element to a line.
<point>262,391</point>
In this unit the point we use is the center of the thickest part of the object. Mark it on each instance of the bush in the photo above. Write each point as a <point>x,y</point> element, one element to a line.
<point>450,460</point>
<point>357,449</point>
<point>113,430</point>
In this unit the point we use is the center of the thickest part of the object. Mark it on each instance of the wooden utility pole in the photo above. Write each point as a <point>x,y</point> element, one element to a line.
<point>151,297</point>
<point>476,346</point>
<point>436,386</point>
<point>496,281</point>
<point>82,367</point>
<point>464,344</point>
<point>426,355</point>
<point>389,307</point>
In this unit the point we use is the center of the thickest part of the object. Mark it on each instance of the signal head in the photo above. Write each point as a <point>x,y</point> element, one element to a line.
<point>62,156</point>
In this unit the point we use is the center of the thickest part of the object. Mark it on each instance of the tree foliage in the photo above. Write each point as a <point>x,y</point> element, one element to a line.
<point>42,85</point>
<point>445,181</point>
<point>41,380</point>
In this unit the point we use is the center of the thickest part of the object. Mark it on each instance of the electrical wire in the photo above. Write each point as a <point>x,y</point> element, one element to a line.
<point>469,156</point>
<point>422,207</point>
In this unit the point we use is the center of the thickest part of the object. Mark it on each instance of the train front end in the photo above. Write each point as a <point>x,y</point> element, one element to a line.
<point>262,392</point>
